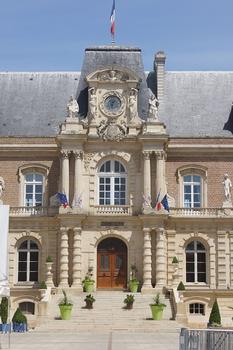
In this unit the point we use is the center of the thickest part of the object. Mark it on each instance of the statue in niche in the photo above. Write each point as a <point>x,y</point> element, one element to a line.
<point>72,108</point>
<point>133,104</point>
<point>153,107</point>
<point>227,187</point>
<point>112,75</point>
<point>92,102</point>
<point>2,188</point>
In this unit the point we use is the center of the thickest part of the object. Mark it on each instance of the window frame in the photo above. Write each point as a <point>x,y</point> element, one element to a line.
<point>197,306</point>
<point>28,250</point>
<point>112,175</point>
<point>33,169</point>
<point>192,170</point>
<point>196,251</point>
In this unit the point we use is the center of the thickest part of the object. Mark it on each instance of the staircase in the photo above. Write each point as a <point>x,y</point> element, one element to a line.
<point>108,314</point>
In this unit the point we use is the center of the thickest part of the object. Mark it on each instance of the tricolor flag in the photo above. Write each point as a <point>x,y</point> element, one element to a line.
<point>112,19</point>
<point>62,199</point>
<point>164,203</point>
<point>157,202</point>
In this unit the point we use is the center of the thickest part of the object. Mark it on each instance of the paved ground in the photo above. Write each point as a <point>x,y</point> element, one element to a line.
<point>92,341</point>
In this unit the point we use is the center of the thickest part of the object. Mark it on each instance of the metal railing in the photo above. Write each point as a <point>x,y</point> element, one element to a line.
<point>206,339</point>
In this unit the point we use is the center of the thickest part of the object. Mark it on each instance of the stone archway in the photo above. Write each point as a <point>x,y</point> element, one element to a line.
<point>111,264</point>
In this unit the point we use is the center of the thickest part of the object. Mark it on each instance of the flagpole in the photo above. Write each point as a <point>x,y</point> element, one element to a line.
<point>113,22</point>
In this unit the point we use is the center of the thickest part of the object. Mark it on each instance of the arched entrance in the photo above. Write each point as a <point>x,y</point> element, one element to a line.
<point>112,264</point>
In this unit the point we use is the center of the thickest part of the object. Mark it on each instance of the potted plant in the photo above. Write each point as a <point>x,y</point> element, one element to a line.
<point>49,259</point>
<point>65,307</point>
<point>19,321</point>
<point>5,327</point>
<point>157,308</point>
<point>88,282</point>
<point>129,300</point>
<point>133,283</point>
<point>215,317</point>
<point>175,260</point>
<point>89,301</point>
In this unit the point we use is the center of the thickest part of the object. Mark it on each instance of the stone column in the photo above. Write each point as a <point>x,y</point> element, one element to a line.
<point>65,186</point>
<point>77,172</point>
<point>160,174</point>
<point>77,278</point>
<point>221,262</point>
<point>147,260</point>
<point>160,258</point>
<point>147,175</point>
<point>64,257</point>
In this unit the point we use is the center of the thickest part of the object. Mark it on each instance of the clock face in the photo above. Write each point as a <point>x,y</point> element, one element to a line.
<point>112,103</point>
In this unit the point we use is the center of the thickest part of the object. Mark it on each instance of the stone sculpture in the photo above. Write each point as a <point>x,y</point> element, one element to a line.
<point>92,102</point>
<point>133,104</point>
<point>72,108</point>
<point>227,187</point>
<point>153,107</point>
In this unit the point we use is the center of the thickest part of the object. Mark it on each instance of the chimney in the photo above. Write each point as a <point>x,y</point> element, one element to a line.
<point>159,67</point>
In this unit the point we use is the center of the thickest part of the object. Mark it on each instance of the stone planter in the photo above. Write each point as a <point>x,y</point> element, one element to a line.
<point>133,286</point>
<point>5,327</point>
<point>49,275</point>
<point>88,286</point>
<point>20,327</point>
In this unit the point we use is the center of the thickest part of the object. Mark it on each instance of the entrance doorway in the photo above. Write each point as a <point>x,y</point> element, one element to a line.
<point>112,264</point>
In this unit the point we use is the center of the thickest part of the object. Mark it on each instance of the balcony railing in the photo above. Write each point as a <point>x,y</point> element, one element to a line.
<point>33,211</point>
<point>201,212</point>
<point>112,210</point>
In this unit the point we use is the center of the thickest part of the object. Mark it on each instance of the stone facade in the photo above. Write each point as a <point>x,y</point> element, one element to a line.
<point>115,130</point>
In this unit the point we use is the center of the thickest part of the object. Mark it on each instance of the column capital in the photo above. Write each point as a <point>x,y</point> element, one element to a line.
<point>160,155</point>
<point>64,229</point>
<point>77,229</point>
<point>146,230</point>
<point>78,154</point>
<point>146,154</point>
<point>65,153</point>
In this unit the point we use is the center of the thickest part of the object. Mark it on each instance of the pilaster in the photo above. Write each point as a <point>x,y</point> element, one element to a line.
<point>65,168</point>
<point>231,258</point>
<point>221,262</point>
<point>78,156</point>
<point>160,173</point>
<point>147,174</point>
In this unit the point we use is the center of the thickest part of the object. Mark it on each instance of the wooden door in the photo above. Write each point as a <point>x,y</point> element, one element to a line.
<point>112,266</point>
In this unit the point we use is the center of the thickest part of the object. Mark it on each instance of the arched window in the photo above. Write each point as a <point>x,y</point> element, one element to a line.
<point>112,183</point>
<point>27,307</point>
<point>197,308</point>
<point>192,191</point>
<point>28,261</point>
<point>195,262</point>
<point>33,190</point>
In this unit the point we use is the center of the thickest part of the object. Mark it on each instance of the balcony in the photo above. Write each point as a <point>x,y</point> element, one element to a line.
<point>32,211</point>
<point>201,212</point>
<point>113,210</point>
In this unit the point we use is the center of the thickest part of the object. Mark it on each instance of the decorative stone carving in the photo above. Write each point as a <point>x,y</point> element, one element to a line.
<point>92,102</point>
<point>153,108</point>
<point>72,108</point>
<point>54,201</point>
<point>110,131</point>
<point>133,104</point>
<point>113,75</point>
<point>87,159</point>
<point>2,188</point>
<point>227,185</point>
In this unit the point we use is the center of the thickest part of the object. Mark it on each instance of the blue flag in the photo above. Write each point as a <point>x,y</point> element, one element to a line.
<point>164,203</point>
<point>62,199</point>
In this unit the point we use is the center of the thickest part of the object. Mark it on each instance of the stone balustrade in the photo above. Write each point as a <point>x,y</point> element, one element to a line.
<point>33,211</point>
<point>112,210</point>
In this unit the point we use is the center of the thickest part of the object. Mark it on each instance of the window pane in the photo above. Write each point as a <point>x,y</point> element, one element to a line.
<point>190,277</point>
<point>201,277</point>
<point>33,276</point>
<point>201,257</point>
<point>187,178</point>
<point>122,169</point>
<point>39,177</point>
<point>22,256</point>
<point>33,266</point>
<point>104,262</point>
<point>22,266</point>
<point>29,177</point>
<point>108,166</point>
<point>23,245</point>
<point>101,180</point>
<point>38,188</point>
<point>38,198</point>
<point>190,267</point>
<point>33,245</point>
<point>107,180</point>
<point>187,189</point>
<point>190,246</point>
<point>22,276</point>
<point>196,178</point>
<point>29,189</point>
<point>200,246</point>
<point>116,167</point>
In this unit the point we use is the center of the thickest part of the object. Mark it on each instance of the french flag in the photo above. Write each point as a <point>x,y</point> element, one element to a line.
<point>112,19</point>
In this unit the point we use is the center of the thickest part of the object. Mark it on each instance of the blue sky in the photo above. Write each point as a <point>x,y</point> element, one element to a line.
<point>51,35</point>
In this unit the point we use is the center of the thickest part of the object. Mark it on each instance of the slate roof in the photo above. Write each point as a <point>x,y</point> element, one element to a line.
<point>196,104</point>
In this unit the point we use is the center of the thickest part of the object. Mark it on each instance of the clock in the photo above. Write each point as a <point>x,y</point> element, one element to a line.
<point>112,103</point>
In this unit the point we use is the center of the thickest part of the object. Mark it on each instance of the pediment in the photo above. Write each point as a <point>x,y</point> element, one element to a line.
<point>113,75</point>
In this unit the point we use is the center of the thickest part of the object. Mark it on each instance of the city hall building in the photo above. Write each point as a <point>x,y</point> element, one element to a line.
<point>118,141</point>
